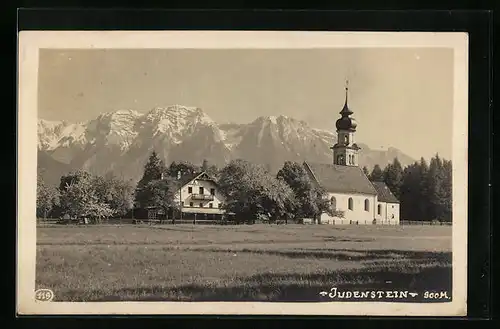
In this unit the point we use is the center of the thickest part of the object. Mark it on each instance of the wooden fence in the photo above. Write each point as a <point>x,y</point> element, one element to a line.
<point>422,222</point>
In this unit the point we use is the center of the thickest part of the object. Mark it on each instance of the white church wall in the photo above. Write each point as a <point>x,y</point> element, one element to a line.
<point>393,213</point>
<point>389,213</point>
<point>357,215</point>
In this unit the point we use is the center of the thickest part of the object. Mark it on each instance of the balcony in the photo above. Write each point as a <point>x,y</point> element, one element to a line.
<point>203,197</point>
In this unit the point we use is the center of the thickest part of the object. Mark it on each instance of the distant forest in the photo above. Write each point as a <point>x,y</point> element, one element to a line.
<point>424,190</point>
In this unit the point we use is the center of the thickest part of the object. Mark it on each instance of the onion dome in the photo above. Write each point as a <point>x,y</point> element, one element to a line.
<point>346,122</point>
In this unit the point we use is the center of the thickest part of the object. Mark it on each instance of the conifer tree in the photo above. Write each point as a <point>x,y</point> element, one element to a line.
<point>153,170</point>
<point>393,177</point>
<point>377,174</point>
<point>436,189</point>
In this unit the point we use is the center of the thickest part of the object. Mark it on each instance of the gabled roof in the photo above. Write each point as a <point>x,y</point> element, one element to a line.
<point>186,179</point>
<point>340,179</point>
<point>384,193</point>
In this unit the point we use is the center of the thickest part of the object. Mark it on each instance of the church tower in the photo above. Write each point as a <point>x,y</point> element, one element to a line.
<point>345,151</point>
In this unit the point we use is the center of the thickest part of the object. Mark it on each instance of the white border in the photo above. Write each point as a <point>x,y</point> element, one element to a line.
<point>31,41</point>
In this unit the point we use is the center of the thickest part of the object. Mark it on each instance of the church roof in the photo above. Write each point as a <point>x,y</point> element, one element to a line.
<point>384,193</point>
<point>340,179</point>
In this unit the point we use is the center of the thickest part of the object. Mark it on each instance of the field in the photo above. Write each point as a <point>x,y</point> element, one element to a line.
<point>238,263</point>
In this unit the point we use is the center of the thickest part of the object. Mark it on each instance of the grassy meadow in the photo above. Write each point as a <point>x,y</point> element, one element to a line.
<point>237,263</point>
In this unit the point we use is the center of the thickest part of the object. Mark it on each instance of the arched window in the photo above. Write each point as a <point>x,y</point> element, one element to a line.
<point>350,204</point>
<point>346,139</point>
<point>333,203</point>
<point>367,205</point>
<point>379,209</point>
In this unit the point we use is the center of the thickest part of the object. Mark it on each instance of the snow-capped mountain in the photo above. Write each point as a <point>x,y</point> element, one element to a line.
<point>121,142</point>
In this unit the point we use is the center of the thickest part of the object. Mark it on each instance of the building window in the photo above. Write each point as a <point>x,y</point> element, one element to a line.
<point>346,139</point>
<point>350,204</point>
<point>182,204</point>
<point>190,189</point>
<point>379,209</point>
<point>210,205</point>
<point>202,190</point>
<point>201,205</point>
<point>367,205</point>
<point>212,191</point>
<point>392,216</point>
<point>333,203</point>
<point>392,206</point>
<point>220,205</point>
<point>190,204</point>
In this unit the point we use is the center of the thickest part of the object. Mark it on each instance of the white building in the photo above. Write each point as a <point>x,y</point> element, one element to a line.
<point>200,197</point>
<point>348,188</point>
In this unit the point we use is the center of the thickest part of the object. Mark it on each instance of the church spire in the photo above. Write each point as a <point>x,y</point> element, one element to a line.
<point>345,110</point>
<point>345,151</point>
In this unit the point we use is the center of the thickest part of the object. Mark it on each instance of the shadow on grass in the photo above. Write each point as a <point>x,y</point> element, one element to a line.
<point>418,276</point>
<point>355,255</point>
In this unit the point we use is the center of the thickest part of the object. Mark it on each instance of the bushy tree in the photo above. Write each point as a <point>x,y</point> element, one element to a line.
<point>161,193</point>
<point>184,167</point>
<point>47,197</point>
<point>310,199</point>
<point>365,171</point>
<point>252,192</point>
<point>80,198</point>
<point>115,192</point>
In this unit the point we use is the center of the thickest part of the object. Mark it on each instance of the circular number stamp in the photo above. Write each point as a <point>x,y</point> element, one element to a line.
<point>44,295</point>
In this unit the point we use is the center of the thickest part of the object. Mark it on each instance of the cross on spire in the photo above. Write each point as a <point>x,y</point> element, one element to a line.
<point>346,90</point>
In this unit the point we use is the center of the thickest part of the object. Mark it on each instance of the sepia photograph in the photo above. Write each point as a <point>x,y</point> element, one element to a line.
<point>320,173</point>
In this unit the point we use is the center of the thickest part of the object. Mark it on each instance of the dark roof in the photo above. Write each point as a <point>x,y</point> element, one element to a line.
<point>384,193</point>
<point>189,177</point>
<point>340,179</point>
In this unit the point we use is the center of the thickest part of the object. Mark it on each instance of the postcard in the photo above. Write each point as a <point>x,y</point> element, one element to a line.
<point>242,173</point>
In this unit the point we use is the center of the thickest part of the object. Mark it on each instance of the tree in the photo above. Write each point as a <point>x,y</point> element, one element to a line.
<point>310,199</point>
<point>436,189</point>
<point>252,192</point>
<point>366,172</point>
<point>47,197</point>
<point>185,167</point>
<point>393,177</point>
<point>116,192</point>
<point>211,170</point>
<point>377,175</point>
<point>278,199</point>
<point>80,198</point>
<point>153,170</point>
<point>204,166</point>
<point>412,199</point>
<point>448,190</point>
<point>161,193</point>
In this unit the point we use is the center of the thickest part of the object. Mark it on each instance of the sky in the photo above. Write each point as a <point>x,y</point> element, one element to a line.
<point>401,97</point>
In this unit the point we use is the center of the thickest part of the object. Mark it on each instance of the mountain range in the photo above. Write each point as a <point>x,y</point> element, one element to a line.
<point>121,142</point>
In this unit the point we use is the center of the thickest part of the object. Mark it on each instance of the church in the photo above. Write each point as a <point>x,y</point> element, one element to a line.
<point>349,189</point>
